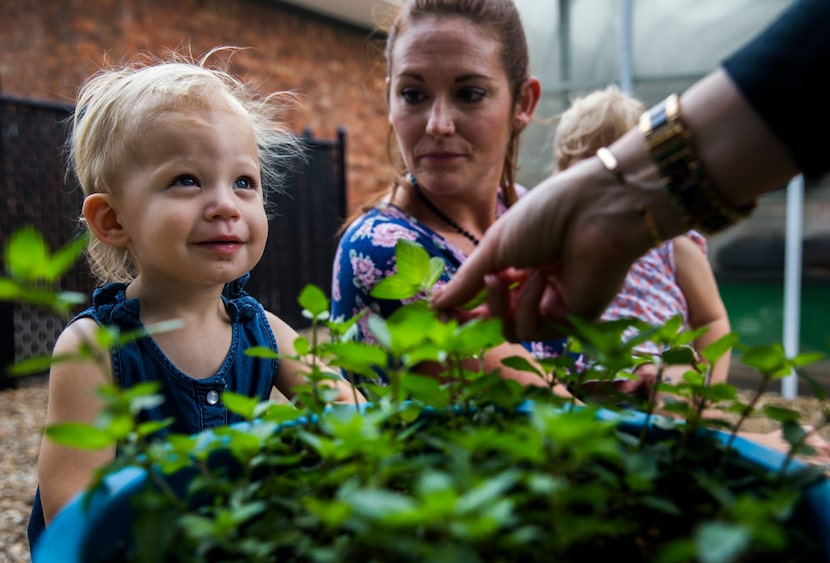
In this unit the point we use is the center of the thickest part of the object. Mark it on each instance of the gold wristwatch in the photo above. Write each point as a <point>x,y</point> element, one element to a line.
<point>691,190</point>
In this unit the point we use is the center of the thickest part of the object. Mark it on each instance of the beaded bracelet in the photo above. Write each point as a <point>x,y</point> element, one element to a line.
<point>691,190</point>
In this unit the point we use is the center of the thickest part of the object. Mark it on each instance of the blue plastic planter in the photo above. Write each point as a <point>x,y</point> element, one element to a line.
<point>97,527</point>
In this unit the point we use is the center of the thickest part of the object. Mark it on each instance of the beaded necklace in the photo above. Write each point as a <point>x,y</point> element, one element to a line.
<point>440,214</point>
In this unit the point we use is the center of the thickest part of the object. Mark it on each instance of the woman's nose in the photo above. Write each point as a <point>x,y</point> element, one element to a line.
<point>440,122</point>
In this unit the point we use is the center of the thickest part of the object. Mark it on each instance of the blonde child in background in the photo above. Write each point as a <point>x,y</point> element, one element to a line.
<point>175,160</point>
<point>674,278</point>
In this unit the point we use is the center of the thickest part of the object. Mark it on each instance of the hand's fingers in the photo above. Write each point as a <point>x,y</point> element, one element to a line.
<point>529,322</point>
<point>498,303</point>
<point>464,315</point>
<point>468,280</point>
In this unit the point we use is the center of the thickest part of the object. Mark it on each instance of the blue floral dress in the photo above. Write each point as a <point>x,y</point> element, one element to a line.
<point>366,255</point>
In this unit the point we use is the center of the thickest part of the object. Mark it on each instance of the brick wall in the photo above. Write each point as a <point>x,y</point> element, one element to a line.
<point>47,48</point>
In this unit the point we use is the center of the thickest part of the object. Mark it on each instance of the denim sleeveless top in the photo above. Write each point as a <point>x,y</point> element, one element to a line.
<point>194,404</point>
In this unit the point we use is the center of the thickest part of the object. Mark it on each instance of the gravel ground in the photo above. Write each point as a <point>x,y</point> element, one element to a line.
<point>20,426</point>
<point>20,435</point>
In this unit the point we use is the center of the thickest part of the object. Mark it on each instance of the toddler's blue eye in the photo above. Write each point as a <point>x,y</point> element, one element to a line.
<point>185,181</point>
<point>244,184</point>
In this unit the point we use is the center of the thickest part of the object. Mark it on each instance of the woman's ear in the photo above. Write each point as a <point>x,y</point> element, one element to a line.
<point>529,95</point>
<point>102,219</point>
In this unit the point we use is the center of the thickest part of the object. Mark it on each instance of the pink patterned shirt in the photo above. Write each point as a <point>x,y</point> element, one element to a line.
<point>650,292</point>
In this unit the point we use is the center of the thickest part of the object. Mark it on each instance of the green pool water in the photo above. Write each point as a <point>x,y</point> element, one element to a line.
<point>756,312</point>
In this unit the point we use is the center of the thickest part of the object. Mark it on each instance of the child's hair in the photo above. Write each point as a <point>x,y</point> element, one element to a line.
<point>114,103</point>
<point>592,122</point>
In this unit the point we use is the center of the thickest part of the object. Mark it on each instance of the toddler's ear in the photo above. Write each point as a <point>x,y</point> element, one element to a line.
<point>102,219</point>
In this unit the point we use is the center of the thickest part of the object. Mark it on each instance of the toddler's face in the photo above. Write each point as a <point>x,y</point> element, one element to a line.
<point>190,197</point>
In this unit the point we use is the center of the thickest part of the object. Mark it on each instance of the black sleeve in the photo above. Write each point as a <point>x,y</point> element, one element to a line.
<point>784,74</point>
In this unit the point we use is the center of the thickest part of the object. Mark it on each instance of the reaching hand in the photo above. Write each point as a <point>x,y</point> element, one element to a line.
<point>564,249</point>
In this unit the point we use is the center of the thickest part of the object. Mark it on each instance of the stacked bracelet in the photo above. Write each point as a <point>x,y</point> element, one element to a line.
<point>691,190</point>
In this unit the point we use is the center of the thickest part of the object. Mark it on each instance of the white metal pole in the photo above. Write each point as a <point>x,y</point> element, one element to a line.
<point>626,49</point>
<point>792,279</point>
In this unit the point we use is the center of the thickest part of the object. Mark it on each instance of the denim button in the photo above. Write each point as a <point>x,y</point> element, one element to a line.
<point>212,397</point>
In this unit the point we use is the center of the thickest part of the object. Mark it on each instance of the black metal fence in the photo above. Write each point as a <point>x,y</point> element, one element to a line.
<point>38,193</point>
<point>302,238</point>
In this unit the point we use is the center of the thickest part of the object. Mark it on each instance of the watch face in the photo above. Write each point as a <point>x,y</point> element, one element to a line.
<point>659,115</point>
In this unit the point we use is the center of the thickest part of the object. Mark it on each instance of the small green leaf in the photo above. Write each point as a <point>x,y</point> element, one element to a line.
<point>670,328</point>
<point>807,358</point>
<point>60,262</point>
<point>261,352</point>
<point>77,435</point>
<point>395,288</point>
<point>412,261</point>
<point>416,272</point>
<point>477,335</point>
<point>9,290</point>
<point>197,526</point>
<point>30,366</point>
<point>245,512</point>
<point>118,426</point>
<point>781,414</point>
<point>377,326</point>
<point>151,427</point>
<point>719,347</point>
<point>70,298</point>
<point>302,346</point>
<point>721,541</point>
<point>381,505</point>
<point>488,491</point>
<point>426,389</point>
<point>434,271</point>
<point>110,337</point>
<point>357,356</point>
<point>58,301</point>
<point>27,255</point>
<point>313,300</point>
<point>479,299</point>
<point>240,404</point>
<point>146,389</point>
<point>679,356</point>
<point>793,432</point>
<point>768,360</point>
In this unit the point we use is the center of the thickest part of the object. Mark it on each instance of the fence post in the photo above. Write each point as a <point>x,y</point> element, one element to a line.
<point>344,192</point>
<point>6,344</point>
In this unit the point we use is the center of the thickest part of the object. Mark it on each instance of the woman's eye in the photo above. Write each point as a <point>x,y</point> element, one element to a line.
<point>245,183</point>
<point>185,180</point>
<point>471,95</point>
<point>411,95</point>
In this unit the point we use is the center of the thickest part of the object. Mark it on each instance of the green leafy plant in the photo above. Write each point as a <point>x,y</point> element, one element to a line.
<point>32,271</point>
<point>471,467</point>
